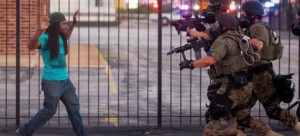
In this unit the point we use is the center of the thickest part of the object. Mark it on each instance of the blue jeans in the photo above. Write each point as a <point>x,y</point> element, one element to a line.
<point>53,92</point>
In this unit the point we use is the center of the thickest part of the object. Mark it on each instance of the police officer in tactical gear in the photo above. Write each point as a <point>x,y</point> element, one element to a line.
<point>215,7</point>
<point>228,66</point>
<point>262,73</point>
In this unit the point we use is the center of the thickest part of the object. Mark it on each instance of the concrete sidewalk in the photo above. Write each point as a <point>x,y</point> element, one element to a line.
<point>194,130</point>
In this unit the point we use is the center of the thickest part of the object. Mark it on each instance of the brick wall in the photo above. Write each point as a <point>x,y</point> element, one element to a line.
<point>31,13</point>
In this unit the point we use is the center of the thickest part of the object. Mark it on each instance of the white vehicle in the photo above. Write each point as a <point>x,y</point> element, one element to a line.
<point>166,17</point>
<point>91,11</point>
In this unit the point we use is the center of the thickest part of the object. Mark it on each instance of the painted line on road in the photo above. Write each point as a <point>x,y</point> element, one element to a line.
<point>108,70</point>
<point>112,118</point>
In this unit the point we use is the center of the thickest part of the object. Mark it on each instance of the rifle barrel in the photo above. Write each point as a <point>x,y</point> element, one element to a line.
<point>293,105</point>
<point>188,46</point>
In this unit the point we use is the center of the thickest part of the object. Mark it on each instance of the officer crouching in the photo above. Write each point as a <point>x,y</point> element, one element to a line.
<point>227,63</point>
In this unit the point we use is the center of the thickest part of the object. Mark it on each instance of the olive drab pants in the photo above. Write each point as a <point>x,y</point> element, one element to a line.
<point>239,96</point>
<point>263,89</point>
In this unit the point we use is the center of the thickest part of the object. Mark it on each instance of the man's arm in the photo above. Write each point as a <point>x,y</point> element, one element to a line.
<point>70,30</point>
<point>257,43</point>
<point>34,43</point>
<point>259,35</point>
<point>197,34</point>
<point>204,62</point>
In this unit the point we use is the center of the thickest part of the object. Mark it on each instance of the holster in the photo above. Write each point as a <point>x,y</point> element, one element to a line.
<point>212,90</point>
<point>284,87</point>
<point>213,72</point>
<point>221,104</point>
<point>240,79</point>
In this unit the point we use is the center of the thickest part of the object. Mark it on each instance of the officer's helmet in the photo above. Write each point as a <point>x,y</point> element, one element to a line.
<point>253,7</point>
<point>228,21</point>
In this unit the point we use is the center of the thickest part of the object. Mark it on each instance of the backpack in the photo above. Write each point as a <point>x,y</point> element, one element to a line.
<point>274,50</point>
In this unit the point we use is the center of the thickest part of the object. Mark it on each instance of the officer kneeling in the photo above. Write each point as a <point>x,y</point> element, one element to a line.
<point>228,64</point>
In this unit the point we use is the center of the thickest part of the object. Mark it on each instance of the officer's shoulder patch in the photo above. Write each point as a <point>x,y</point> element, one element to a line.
<point>257,30</point>
<point>216,44</point>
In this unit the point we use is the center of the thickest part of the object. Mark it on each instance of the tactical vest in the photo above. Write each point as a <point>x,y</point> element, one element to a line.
<point>231,64</point>
<point>274,49</point>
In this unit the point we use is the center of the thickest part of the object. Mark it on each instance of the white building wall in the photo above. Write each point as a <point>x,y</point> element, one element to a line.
<point>106,12</point>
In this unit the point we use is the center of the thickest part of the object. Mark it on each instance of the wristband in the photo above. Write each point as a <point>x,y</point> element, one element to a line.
<point>192,65</point>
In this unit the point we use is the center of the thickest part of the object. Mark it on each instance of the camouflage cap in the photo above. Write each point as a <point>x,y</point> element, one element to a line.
<point>56,17</point>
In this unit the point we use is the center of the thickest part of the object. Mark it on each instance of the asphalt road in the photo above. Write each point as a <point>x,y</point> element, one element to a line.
<point>132,52</point>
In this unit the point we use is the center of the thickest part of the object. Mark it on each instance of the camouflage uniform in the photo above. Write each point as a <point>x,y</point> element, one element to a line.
<point>264,90</point>
<point>222,49</point>
<point>229,118</point>
<point>212,89</point>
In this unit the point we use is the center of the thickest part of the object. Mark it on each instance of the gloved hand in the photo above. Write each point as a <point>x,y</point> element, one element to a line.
<point>281,78</point>
<point>186,64</point>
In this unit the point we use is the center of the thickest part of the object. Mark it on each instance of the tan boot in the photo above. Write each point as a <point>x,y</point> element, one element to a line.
<point>241,133</point>
<point>296,128</point>
<point>272,133</point>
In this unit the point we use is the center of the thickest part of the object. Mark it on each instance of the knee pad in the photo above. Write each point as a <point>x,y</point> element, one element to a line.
<point>220,106</point>
<point>274,113</point>
<point>245,122</point>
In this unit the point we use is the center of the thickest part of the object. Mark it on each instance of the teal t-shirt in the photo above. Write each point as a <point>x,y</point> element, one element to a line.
<point>54,69</point>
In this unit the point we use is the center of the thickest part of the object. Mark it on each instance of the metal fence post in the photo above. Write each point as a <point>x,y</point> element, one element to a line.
<point>299,63</point>
<point>159,70</point>
<point>159,66</point>
<point>18,63</point>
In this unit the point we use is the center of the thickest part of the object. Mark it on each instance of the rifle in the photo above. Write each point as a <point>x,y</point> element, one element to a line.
<point>298,109</point>
<point>293,105</point>
<point>192,43</point>
<point>189,22</point>
<point>208,16</point>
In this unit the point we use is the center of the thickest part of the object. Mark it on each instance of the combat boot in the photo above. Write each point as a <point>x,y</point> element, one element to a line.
<point>272,133</point>
<point>296,128</point>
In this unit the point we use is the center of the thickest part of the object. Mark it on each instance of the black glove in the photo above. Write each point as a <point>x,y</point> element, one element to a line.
<point>186,64</point>
<point>281,78</point>
<point>296,28</point>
